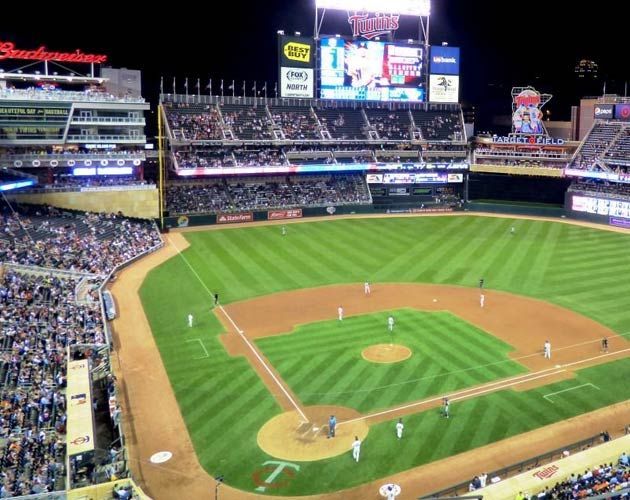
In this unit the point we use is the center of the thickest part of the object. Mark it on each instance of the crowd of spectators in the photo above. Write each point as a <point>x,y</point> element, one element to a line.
<point>296,123</point>
<point>249,123</point>
<point>88,242</point>
<point>596,143</point>
<point>195,122</point>
<point>520,162</point>
<point>264,193</point>
<point>597,188</point>
<point>391,126</point>
<point>604,478</point>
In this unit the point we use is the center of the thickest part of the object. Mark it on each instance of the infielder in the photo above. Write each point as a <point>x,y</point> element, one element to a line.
<point>482,300</point>
<point>190,320</point>
<point>366,288</point>
<point>390,324</point>
<point>340,313</point>
<point>399,428</point>
<point>445,408</point>
<point>356,448</point>
<point>547,349</point>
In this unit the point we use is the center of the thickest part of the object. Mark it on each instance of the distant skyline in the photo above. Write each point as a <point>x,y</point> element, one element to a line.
<point>503,43</point>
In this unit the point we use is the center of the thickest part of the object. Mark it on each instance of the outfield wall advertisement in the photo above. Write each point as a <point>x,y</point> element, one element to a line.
<point>295,213</point>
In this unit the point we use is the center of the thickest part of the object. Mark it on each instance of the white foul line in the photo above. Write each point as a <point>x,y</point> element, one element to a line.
<point>569,389</point>
<point>286,393</point>
<point>482,389</point>
<point>240,332</point>
<point>202,346</point>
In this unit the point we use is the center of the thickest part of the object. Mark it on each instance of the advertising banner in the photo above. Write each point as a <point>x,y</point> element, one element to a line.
<point>296,57</point>
<point>443,88</point>
<point>295,213</point>
<point>80,436</point>
<point>622,112</point>
<point>297,82</point>
<point>444,60</point>
<point>235,218</point>
<point>603,111</point>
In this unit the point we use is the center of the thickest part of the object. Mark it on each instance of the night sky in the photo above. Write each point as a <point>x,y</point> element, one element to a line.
<point>503,43</point>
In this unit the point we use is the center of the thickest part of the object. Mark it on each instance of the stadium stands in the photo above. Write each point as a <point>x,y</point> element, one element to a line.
<point>390,125</point>
<point>588,156</point>
<point>253,193</point>
<point>344,123</point>
<point>296,122</point>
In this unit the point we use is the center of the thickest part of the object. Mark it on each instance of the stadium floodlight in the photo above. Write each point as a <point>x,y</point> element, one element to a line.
<point>280,32</point>
<point>298,33</point>
<point>418,8</point>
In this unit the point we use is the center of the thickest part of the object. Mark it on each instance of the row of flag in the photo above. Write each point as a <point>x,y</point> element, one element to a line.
<point>222,85</point>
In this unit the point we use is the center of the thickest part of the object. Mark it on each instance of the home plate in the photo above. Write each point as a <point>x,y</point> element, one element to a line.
<point>161,457</point>
<point>315,429</point>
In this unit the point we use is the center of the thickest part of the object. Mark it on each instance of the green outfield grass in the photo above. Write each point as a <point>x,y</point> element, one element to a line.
<point>322,361</point>
<point>224,404</point>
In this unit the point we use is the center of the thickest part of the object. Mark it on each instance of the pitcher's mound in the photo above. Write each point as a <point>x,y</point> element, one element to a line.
<point>288,437</point>
<point>386,353</point>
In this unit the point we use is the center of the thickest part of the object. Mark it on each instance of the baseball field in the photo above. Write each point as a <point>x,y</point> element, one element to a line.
<point>257,376</point>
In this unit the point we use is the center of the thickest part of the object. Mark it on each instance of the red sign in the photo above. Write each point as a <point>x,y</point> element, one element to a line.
<point>8,51</point>
<point>547,472</point>
<point>234,218</point>
<point>295,213</point>
<point>370,27</point>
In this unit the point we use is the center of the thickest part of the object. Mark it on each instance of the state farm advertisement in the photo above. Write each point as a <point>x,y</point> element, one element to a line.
<point>284,214</point>
<point>235,218</point>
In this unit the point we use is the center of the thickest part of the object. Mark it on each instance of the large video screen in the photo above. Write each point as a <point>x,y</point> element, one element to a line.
<point>371,71</point>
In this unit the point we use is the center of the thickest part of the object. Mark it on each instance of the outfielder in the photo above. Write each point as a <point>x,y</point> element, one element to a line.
<point>482,300</point>
<point>190,320</point>
<point>390,324</point>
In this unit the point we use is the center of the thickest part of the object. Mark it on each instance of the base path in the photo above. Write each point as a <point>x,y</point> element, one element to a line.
<point>150,428</point>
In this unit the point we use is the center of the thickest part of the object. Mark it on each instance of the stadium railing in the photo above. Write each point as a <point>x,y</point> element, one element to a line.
<point>519,467</point>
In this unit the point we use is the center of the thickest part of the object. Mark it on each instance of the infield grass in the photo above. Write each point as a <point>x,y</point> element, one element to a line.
<point>322,361</point>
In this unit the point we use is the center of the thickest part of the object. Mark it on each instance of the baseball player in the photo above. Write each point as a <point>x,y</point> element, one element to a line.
<point>390,324</point>
<point>482,300</point>
<point>481,284</point>
<point>512,231</point>
<point>445,408</point>
<point>190,320</point>
<point>547,349</point>
<point>340,313</point>
<point>332,424</point>
<point>399,428</point>
<point>284,231</point>
<point>366,288</point>
<point>356,448</point>
<point>605,344</point>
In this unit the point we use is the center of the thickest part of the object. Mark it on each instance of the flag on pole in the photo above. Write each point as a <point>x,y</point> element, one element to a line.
<point>198,88</point>
<point>265,89</point>
<point>209,86</point>
<point>186,86</point>
<point>161,85</point>
<point>174,85</point>
<point>243,88</point>
<point>276,90</point>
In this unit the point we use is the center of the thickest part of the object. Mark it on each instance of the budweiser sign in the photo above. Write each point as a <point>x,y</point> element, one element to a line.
<point>370,27</point>
<point>8,51</point>
<point>295,213</point>
<point>232,218</point>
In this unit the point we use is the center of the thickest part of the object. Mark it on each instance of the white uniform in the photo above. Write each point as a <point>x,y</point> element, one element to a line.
<point>190,320</point>
<point>512,230</point>
<point>548,349</point>
<point>390,323</point>
<point>356,449</point>
<point>340,313</point>
<point>482,300</point>
<point>284,231</point>
<point>366,288</point>
<point>399,429</point>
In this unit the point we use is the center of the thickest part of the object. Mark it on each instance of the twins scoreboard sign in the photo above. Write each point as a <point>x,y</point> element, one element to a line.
<point>297,57</point>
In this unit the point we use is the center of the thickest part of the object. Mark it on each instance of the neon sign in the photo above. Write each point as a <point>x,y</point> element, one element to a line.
<point>8,51</point>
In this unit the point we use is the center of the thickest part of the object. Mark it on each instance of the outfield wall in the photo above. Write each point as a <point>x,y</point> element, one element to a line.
<point>534,481</point>
<point>139,203</point>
